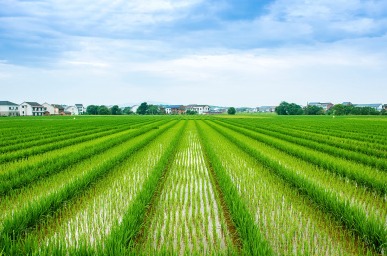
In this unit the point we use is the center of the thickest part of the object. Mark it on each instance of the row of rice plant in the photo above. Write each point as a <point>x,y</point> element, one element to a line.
<point>187,218</point>
<point>371,157</point>
<point>86,224</point>
<point>62,138</point>
<point>369,148</point>
<point>358,129</point>
<point>358,209</point>
<point>58,142</point>
<point>290,223</point>
<point>252,240</point>
<point>25,174</point>
<point>362,174</point>
<point>30,131</point>
<point>20,221</point>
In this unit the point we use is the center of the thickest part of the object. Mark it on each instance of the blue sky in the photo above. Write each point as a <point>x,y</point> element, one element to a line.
<point>233,53</point>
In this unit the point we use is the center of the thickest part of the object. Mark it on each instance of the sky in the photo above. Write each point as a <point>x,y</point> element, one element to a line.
<point>217,52</point>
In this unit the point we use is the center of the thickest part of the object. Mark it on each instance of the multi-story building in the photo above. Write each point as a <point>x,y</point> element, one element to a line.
<point>174,109</point>
<point>31,109</point>
<point>8,108</point>
<point>81,109</point>
<point>200,109</point>
<point>71,110</point>
<point>50,109</point>
<point>325,105</point>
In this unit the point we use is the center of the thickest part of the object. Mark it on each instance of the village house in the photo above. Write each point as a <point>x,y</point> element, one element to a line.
<point>200,109</point>
<point>58,109</point>
<point>71,110</point>
<point>376,106</point>
<point>8,108</point>
<point>174,109</point>
<point>266,109</point>
<point>50,109</point>
<point>81,109</point>
<point>31,109</point>
<point>325,105</point>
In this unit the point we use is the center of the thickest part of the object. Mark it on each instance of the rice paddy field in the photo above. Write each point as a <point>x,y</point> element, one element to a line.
<point>202,185</point>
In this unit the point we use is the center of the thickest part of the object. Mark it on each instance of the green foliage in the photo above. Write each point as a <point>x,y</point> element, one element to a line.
<point>288,109</point>
<point>153,110</point>
<point>127,111</point>
<point>103,110</point>
<point>116,110</point>
<point>313,110</point>
<point>92,110</point>
<point>231,111</point>
<point>191,112</point>
<point>142,109</point>
<point>340,110</point>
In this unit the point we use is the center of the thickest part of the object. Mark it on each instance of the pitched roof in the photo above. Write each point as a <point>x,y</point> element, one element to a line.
<point>34,104</point>
<point>79,105</point>
<point>7,103</point>
<point>174,106</point>
<point>374,105</point>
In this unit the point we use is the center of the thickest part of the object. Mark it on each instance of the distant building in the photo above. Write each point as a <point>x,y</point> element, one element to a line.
<point>31,109</point>
<point>81,109</point>
<point>376,106</point>
<point>58,109</point>
<point>266,109</point>
<point>174,109</point>
<point>71,110</point>
<point>200,109</point>
<point>8,108</point>
<point>347,103</point>
<point>325,105</point>
<point>50,109</point>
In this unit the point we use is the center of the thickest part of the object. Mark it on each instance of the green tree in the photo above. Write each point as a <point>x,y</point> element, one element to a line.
<point>286,108</point>
<point>127,111</point>
<point>92,110</point>
<point>313,110</point>
<point>153,110</point>
<point>103,110</point>
<point>116,110</point>
<point>191,112</point>
<point>231,111</point>
<point>142,109</point>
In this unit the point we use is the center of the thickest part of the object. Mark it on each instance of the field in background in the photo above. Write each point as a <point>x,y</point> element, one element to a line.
<point>254,184</point>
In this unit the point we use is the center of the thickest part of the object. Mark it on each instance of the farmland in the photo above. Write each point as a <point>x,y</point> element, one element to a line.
<point>146,185</point>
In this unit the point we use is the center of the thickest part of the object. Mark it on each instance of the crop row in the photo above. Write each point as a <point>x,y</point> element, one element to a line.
<point>58,139</point>
<point>186,218</point>
<point>367,226</point>
<point>347,148</point>
<point>362,174</point>
<point>27,174</point>
<point>18,224</point>
<point>290,223</point>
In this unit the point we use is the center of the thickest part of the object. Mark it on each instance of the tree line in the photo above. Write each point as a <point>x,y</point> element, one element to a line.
<point>104,110</point>
<point>286,108</point>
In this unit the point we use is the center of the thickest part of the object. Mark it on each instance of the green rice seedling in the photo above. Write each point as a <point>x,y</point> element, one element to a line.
<point>365,224</point>
<point>92,218</point>
<point>253,242</point>
<point>27,174</point>
<point>19,223</point>
<point>278,209</point>
<point>363,175</point>
<point>183,222</point>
